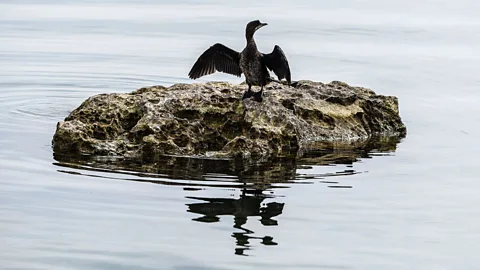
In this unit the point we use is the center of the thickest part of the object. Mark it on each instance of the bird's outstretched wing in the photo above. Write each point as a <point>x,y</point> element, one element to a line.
<point>277,62</point>
<point>216,58</point>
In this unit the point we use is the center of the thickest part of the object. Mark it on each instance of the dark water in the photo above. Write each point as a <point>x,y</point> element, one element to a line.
<point>412,205</point>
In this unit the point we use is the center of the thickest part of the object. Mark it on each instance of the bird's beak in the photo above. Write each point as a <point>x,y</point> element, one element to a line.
<point>261,25</point>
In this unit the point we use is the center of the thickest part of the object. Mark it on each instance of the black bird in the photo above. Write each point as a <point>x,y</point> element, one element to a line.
<point>252,63</point>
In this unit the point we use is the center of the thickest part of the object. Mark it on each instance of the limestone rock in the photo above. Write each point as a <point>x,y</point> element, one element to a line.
<point>211,120</point>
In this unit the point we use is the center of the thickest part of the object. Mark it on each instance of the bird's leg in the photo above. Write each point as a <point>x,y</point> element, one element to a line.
<point>248,93</point>
<point>258,95</point>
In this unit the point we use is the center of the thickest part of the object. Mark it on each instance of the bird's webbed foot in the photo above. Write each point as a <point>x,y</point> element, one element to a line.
<point>248,94</point>
<point>258,96</point>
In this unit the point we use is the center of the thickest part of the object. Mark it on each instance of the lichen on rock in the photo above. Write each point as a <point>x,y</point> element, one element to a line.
<point>211,120</point>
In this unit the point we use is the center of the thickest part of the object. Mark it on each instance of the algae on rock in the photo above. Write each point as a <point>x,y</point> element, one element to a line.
<point>211,120</point>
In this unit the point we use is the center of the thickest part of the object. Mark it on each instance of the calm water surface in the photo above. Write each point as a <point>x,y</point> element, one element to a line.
<point>414,205</point>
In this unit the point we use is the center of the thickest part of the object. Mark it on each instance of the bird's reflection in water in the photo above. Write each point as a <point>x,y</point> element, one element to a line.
<point>249,204</point>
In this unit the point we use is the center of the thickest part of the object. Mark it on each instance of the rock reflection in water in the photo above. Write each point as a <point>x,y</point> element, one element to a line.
<point>274,170</point>
<point>248,205</point>
<point>252,178</point>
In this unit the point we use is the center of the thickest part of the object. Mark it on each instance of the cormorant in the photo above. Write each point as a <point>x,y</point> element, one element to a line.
<point>252,63</point>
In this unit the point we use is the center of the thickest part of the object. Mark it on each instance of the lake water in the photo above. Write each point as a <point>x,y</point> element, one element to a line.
<point>413,207</point>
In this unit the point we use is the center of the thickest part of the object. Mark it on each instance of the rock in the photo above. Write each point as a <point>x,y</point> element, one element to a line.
<point>211,120</point>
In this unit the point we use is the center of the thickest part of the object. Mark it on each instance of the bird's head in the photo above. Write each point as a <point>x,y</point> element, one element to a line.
<point>252,27</point>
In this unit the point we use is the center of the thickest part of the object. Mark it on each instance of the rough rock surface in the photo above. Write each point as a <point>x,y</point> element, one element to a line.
<point>211,120</point>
